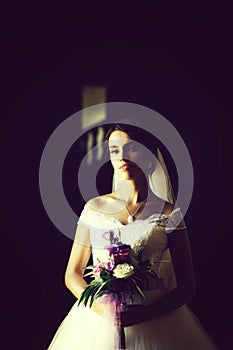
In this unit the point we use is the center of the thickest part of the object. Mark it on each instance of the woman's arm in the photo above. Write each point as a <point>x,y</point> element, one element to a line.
<point>79,257</point>
<point>178,243</point>
<point>78,260</point>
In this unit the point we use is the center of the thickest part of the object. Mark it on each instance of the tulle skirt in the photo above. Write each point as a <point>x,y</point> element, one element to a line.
<point>84,329</point>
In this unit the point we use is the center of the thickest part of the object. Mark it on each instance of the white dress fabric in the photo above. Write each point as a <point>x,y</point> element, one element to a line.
<point>83,329</point>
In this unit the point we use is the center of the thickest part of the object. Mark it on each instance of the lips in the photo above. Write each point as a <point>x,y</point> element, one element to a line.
<point>124,166</point>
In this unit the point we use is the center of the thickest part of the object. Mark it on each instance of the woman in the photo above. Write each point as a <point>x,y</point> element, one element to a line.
<point>155,230</point>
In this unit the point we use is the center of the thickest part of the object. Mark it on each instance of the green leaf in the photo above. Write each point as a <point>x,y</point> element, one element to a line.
<point>159,261</point>
<point>138,288</point>
<point>84,295</point>
<point>88,274</point>
<point>101,287</point>
<point>87,296</point>
<point>89,267</point>
<point>97,281</point>
<point>93,295</point>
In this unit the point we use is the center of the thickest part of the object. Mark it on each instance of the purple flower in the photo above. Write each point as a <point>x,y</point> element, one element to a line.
<point>119,253</point>
<point>109,266</point>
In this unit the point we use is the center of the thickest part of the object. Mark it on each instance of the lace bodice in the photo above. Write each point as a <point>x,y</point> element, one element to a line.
<point>148,237</point>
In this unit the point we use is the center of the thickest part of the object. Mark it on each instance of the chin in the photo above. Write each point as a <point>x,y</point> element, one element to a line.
<point>126,177</point>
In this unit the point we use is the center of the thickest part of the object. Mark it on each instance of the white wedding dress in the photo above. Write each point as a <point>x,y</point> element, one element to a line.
<point>83,329</point>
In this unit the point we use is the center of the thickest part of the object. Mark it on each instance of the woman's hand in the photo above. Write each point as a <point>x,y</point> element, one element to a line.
<point>98,307</point>
<point>135,314</point>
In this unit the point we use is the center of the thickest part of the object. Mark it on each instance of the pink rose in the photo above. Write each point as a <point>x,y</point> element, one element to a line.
<point>97,270</point>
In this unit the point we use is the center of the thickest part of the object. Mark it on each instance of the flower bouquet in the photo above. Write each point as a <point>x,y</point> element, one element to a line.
<point>120,277</point>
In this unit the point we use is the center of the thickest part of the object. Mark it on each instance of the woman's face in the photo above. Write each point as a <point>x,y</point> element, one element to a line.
<point>129,158</point>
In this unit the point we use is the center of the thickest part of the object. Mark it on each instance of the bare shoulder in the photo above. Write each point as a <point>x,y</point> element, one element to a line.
<point>101,202</point>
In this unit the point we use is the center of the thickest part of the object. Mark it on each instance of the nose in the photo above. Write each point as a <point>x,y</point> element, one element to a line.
<point>123,154</point>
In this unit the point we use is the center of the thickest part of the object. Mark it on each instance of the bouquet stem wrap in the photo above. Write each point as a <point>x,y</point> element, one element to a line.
<point>120,338</point>
<point>116,281</point>
<point>115,307</point>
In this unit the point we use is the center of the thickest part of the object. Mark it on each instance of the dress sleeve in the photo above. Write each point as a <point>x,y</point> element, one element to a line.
<point>85,217</point>
<point>175,221</point>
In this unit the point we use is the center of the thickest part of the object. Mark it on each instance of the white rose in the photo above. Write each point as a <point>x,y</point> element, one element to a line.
<point>123,270</point>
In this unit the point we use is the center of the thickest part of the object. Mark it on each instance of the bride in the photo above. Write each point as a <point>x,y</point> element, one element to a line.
<point>140,210</point>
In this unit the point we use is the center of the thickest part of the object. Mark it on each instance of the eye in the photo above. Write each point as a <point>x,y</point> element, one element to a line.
<point>133,147</point>
<point>114,151</point>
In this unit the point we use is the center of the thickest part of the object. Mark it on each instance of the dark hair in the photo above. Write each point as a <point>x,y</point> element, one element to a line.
<point>128,129</point>
<point>136,133</point>
<point>149,141</point>
<point>139,135</point>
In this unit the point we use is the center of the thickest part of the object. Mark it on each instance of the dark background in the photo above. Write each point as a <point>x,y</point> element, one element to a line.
<point>175,59</point>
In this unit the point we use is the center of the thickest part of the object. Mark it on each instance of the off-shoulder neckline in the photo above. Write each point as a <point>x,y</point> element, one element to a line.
<point>150,217</point>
